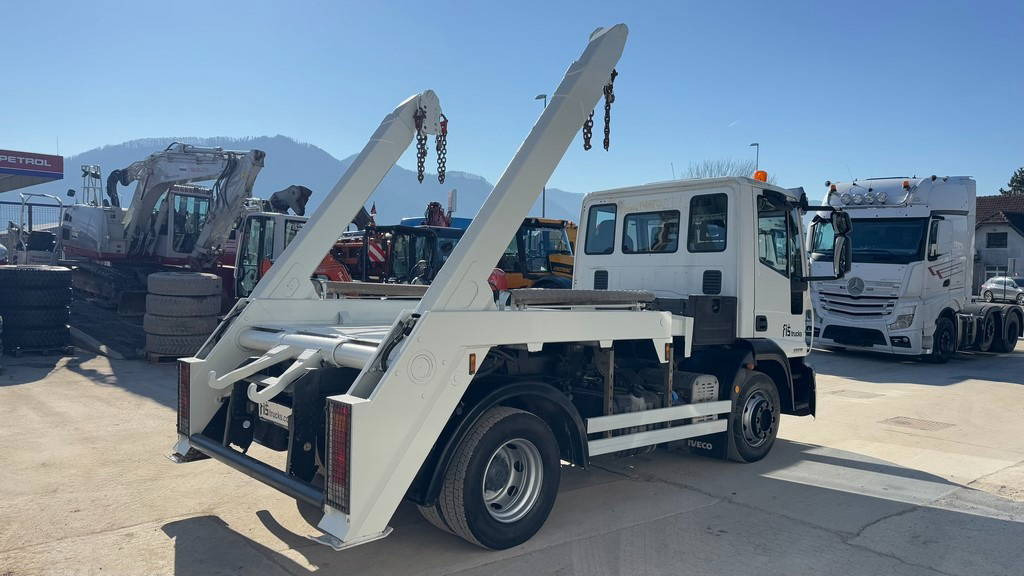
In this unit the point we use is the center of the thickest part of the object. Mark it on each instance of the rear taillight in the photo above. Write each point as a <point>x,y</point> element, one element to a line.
<point>183,387</point>
<point>339,446</point>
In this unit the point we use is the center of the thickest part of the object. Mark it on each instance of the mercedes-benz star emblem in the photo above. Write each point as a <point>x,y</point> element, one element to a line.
<point>855,287</point>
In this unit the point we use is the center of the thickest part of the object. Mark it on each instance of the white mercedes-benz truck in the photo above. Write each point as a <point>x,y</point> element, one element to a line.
<point>909,290</point>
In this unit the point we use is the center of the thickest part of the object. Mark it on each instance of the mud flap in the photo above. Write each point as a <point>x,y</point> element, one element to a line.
<point>712,445</point>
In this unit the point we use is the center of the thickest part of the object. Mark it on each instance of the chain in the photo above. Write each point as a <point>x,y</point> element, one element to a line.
<point>441,144</point>
<point>609,97</point>
<point>421,142</point>
<point>588,130</point>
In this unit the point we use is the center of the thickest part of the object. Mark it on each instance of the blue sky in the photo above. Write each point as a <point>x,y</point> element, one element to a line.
<point>830,90</point>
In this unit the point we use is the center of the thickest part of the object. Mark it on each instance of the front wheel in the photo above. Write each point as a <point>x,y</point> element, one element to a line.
<point>754,422</point>
<point>502,481</point>
<point>943,341</point>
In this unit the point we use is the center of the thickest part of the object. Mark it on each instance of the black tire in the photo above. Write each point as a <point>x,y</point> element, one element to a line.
<point>161,305</point>
<point>36,318</point>
<point>1008,339</point>
<point>433,515</point>
<point>1019,299</point>
<point>179,325</point>
<point>34,298</point>
<point>174,345</point>
<point>943,341</point>
<point>58,337</point>
<point>31,276</point>
<point>755,417</point>
<point>183,284</point>
<point>987,332</point>
<point>987,295</point>
<point>493,436</point>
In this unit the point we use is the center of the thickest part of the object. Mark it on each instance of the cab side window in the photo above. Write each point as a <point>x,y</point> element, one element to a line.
<point>600,229</point>
<point>650,232</point>
<point>708,217</point>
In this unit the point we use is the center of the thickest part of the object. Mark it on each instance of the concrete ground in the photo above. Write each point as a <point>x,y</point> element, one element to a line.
<point>909,469</point>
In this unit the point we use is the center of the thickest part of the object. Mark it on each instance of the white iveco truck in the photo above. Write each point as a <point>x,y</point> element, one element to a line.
<point>909,290</point>
<point>687,323</point>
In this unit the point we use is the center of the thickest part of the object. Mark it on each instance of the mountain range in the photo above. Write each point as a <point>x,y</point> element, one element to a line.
<point>291,162</point>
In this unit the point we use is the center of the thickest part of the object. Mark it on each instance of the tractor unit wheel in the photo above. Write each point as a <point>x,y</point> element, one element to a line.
<point>943,341</point>
<point>754,422</point>
<point>987,332</point>
<point>1007,340</point>
<point>503,479</point>
<point>183,284</point>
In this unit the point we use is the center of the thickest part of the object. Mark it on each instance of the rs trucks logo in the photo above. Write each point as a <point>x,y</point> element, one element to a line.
<point>788,332</point>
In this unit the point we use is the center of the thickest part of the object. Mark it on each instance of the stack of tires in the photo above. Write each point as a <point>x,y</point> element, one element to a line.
<point>182,309</point>
<point>34,304</point>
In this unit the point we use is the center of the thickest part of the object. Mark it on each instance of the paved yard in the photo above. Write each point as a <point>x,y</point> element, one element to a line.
<point>909,468</point>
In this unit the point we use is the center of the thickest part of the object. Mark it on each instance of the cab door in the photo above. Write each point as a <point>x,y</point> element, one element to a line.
<point>779,289</point>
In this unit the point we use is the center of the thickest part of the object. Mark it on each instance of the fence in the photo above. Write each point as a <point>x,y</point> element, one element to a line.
<point>37,217</point>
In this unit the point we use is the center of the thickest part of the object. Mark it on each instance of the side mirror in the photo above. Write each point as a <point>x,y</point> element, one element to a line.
<point>842,256</point>
<point>841,223</point>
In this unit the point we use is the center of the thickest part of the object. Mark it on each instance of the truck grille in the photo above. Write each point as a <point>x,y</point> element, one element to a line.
<point>872,298</point>
<point>856,305</point>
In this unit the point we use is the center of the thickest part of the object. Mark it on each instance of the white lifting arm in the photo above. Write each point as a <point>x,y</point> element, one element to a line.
<point>290,274</point>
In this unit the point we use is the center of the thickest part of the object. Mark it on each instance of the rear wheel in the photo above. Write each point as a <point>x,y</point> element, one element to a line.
<point>987,332</point>
<point>1020,298</point>
<point>1008,340</point>
<point>502,481</point>
<point>943,341</point>
<point>754,422</point>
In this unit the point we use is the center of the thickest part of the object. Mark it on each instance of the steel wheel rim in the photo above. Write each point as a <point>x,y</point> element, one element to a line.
<point>512,480</point>
<point>758,419</point>
<point>1020,298</point>
<point>988,296</point>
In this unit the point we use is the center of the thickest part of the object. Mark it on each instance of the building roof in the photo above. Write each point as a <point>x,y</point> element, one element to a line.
<point>998,209</point>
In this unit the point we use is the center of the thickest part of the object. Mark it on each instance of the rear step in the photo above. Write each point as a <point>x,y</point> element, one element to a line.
<point>269,475</point>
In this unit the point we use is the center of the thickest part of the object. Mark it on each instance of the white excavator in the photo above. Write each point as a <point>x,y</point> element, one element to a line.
<point>171,221</point>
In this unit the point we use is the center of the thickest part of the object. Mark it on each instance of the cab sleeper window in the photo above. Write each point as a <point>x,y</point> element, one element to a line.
<point>600,229</point>
<point>650,232</point>
<point>709,214</point>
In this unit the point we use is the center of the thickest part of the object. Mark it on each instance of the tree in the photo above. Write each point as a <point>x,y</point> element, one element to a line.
<point>723,167</point>
<point>1016,185</point>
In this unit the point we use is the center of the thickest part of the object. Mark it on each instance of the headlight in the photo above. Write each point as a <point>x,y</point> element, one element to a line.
<point>903,321</point>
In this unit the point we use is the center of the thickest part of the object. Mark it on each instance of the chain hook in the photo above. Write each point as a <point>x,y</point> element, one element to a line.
<point>441,144</point>
<point>421,141</point>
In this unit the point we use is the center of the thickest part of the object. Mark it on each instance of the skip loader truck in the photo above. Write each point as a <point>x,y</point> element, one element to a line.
<point>688,320</point>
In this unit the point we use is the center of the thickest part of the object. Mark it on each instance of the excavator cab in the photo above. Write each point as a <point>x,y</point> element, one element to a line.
<point>539,255</point>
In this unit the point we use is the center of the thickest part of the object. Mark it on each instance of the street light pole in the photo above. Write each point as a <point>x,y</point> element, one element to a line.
<point>544,190</point>
<point>757,155</point>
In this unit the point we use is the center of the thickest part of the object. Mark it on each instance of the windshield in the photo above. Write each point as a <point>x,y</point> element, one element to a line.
<point>540,242</point>
<point>875,240</point>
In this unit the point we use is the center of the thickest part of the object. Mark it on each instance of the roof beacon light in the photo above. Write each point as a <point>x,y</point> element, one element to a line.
<point>761,176</point>
<point>906,184</point>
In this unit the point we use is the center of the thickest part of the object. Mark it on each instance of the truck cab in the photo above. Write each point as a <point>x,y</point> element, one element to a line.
<point>913,246</point>
<point>736,240</point>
